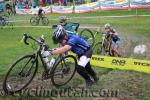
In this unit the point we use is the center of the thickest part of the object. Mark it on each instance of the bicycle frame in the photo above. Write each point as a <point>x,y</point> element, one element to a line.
<point>37,19</point>
<point>108,47</point>
<point>106,43</point>
<point>38,52</point>
<point>41,58</point>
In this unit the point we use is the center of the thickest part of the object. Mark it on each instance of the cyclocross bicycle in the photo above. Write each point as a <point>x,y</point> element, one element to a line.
<point>103,46</point>
<point>22,72</point>
<point>91,37</point>
<point>36,20</point>
<point>4,21</point>
<point>88,35</point>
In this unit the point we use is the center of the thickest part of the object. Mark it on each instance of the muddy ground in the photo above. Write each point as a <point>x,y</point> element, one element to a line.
<point>128,42</point>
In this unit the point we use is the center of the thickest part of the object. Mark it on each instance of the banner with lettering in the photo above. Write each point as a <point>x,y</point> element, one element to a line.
<point>99,5</point>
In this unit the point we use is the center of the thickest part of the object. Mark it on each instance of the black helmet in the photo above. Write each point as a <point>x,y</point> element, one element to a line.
<point>59,34</point>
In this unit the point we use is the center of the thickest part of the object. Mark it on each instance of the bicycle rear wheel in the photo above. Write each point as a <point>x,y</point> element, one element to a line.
<point>45,21</point>
<point>87,35</point>
<point>64,70</point>
<point>34,21</point>
<point>20,74</point>
<point>98,48</point>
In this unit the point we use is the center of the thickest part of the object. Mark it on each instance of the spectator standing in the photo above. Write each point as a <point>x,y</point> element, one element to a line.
<point>59,2</point>
<point>20,1</point>
<point>50,2</point>
<point>34,4</point>
<point>1,7</point>
<point>19,5</point>
<point>14,6</point>
<point>65,2</point>
<point>93,0</point>
<point>8,8</point>
<point>25,1</point>
<point>43,2</point>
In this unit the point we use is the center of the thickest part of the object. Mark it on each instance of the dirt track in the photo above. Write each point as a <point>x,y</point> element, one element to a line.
<point>128,42</point>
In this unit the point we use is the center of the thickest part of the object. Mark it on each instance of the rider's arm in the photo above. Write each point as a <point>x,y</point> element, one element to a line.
<point>61,50</point>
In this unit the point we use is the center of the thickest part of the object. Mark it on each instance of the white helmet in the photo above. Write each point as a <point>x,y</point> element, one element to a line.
<point>58,34</point>
<point>106,26</point>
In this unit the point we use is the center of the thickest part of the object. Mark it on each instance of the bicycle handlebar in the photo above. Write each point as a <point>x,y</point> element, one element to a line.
<point>25,38</point>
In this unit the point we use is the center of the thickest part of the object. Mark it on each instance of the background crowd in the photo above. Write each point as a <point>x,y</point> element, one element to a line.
<point>27,4</point>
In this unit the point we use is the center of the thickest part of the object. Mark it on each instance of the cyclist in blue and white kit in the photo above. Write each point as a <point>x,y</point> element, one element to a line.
<point>79,47</point>
<point>115,38</point>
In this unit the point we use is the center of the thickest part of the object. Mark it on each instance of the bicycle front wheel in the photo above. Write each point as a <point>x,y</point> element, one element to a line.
<point>64,70</point>
<point>2,23</point>
<point>10,25</point>
<point>20,74</point>
<point>45,21</point>
<point>87,35</point>
<point>34,21</point>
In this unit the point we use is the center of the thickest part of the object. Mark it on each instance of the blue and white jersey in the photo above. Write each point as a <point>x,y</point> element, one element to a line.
<point>79,45</point>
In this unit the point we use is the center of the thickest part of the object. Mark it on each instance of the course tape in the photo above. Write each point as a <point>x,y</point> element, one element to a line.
<point>120,63</point>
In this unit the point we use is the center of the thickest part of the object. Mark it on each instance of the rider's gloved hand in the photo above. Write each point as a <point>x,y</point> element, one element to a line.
<point>46,47</point>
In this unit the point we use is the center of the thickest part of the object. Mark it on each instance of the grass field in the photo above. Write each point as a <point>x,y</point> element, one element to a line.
<point>133,31</point>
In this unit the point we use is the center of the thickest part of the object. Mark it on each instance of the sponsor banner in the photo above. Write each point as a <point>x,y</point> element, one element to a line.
<point>114,4</point>
<point>120,63</point>
<point>89,7</point>
<point>46,9</point>
<point>62,9</point>
<point>140,3</point>
<point>99,5</point>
